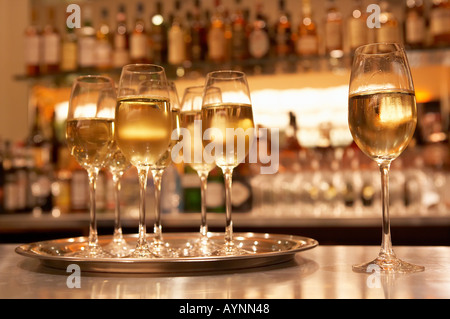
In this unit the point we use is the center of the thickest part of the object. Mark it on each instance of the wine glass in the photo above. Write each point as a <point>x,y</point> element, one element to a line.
<point>117,164</point>
<point>160,248</point>
<point>89,135</point>
<point>382,117</point>
<point>143,129</point>
<point>191,116</point>
<point>228,132</point>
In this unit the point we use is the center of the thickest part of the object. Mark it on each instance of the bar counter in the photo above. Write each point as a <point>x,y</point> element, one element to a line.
<point>324,272</point>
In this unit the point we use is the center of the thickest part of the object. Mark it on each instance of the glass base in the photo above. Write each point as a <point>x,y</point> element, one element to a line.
<point>91,251</point>
<point>230,249</point>
<point>387,264</point>
<point>201,248</point>
<point>119,248</point>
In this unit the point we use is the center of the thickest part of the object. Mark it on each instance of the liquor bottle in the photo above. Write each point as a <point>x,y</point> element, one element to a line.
<point>190,183</point>
<point>440,23</point>
<point>283,32</point>
<point>69,50</point>
<point>198,35</point>
<point>37,141</point>
<point>86,41</point>
<point>121,54</point>
<point>79,194</point>
<point>10,182</point>
<point>239,31</point>
<point>389,30</point>
<point>22,182</point>
<point>176,38</point>
<point>307,41</point>
<point>289,154</point>
<point>259,38</point>
<point>216,35</point>
<point>357,26</point>
<point>32,46</point>
<point>51,45</point>
<point>158,34</point>
<point>333,30</point>
<point>103,51</point>
<point>415,24</point>
<point>138,39</point>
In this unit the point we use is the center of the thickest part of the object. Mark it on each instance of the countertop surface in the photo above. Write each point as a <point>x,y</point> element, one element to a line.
<point>324,272</point>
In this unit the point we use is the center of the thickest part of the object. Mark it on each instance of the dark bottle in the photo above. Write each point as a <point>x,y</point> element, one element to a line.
<point>158,35</point>
<point>198,35</point>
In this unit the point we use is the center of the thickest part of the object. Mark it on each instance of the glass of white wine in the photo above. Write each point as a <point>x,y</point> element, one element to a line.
<point>191,117</point>
<point>382,116</point>
<point>228,133</point>
<point>89,135</point>
<point>143,127</point>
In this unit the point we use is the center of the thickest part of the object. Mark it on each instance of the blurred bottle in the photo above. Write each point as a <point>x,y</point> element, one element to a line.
<point>259,38</point>
<point>198,34</point>
<point>19,163</point>
<point>283,32</point>
<point>69,51</point>
<point>121,54</point>
<point>176,38</point>
<point>138,39</point>
<point>389,30</point>
<point>308,40</point>
<point>86,41</point>
<point>290,151</point>
<point>357,28</point>
<point>239,33</point>
<point>415,24</point>
<point>216,35</point>
<point>190,183</point>
<point>37,141</point>
<point>10,181</point>
<point>158,34</point>
<point>440,22</point>
<point>103,50</point>
<point>334,45</point>
<point>32,46</point>
<point>51,45</point>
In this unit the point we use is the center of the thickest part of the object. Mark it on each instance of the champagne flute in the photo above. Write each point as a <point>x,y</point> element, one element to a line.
<point>117,164</point>
<point>191,116</point>
<point>382,118</point>
<point>143,129</point>
<point>228,132</point>
<point>89,134</point>
<point>160,248</point>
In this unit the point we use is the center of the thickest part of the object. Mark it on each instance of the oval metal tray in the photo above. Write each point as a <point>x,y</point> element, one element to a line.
<point>267,249</point>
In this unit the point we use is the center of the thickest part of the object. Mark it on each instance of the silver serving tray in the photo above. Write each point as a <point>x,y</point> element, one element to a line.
<point>267,250</point>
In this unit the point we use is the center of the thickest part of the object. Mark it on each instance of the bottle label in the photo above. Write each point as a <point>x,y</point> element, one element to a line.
<point>216,41</point>
<point>177,47</point>
<point>259,43</point>
<point>415,29</point>
<point>32,50</point>
<point>86,53</point>
<point>120,42</point>
<point>214,195</point>
<point>333,36</point>
<point>440,21</point>
<point>52,49</point>
<point>307,45</point>
<point>69,56</point>
<point>387,34</point>
<point>138,46</point>
<point>358,34</point>
<point>103,54</point>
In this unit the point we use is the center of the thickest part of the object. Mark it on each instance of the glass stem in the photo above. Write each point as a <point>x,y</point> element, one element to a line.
<point>386,244</point>
<point>143,174</point>
<point>157,228</point>
<point>93,235</point>
<point>204,182</point>
<point>228,174</point>
<point>118,236</point>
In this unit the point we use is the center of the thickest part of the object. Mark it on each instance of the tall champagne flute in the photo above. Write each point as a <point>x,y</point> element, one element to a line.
<point>228,132</point>
<point>117,164</point>
<point>143,129</point>
<point>191,116</point>
<point>159,248</point>
<point>382,117</point>
<point>89,135</point>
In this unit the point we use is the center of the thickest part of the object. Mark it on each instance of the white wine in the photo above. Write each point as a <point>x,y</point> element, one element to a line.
<point>143,128</point>
<point>166,158</point>
<point>235,118</point>
<point>188,121</point>
<point>382,123</point>
<point>116,161</point>
<point>89,140</point>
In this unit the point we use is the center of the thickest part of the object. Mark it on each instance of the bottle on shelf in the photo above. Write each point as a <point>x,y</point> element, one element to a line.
<point>216,35</point>
<point>415,28</point>
<point>307,37</point>
<point>198,35</point>
<point>139,52</point>
<point>259,38</point>
<point>103,50</point>
<point>239,31</point>
<point>334,44</point>
<point>10,181</point>
<point>37,142</point>
<point>32,46</point>
<point>51,45</point>
<point>176,50</point>
<point>290,151</point>
<point>158,35</point>
<point>358,33</point>
<point>389,30</point>
<point>283,32</point>
<point>69,51</point>
<point>86,41</point>
<point>120,54</point>
<point>440,23</point>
